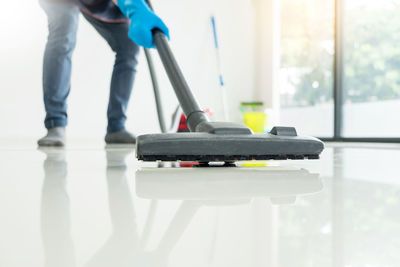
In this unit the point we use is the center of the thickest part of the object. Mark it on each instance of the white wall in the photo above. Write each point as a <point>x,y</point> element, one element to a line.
<point>23,34</point>
<point>268,52</point>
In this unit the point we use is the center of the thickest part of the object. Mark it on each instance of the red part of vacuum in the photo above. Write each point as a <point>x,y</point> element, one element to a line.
<point>184,128</point>
<point>183,124</point>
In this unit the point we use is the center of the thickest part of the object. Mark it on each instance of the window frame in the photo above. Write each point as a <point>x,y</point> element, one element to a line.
<point>338,90</point>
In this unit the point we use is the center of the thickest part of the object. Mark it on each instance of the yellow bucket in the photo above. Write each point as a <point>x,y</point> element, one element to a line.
<point>255,121</point>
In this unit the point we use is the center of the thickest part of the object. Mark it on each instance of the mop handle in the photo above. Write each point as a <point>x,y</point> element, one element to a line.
<point>216,43</point>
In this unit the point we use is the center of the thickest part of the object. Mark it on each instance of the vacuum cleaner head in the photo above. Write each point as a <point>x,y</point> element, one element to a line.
<point>281,144</point>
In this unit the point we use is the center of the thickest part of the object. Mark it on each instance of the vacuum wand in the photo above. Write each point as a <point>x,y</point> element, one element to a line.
<point>189,104</point>
<point>191,109</point>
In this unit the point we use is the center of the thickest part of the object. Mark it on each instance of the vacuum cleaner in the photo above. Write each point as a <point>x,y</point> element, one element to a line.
<point>210,141</point>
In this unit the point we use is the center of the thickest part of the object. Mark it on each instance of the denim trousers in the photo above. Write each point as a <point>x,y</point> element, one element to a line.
<point>63,21</point>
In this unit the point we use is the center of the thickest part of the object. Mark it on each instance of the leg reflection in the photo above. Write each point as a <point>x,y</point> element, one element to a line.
<point>121,247</point>
<point>55,212</point>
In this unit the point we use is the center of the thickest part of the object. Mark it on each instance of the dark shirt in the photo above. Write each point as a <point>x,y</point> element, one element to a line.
<point>104,10</point>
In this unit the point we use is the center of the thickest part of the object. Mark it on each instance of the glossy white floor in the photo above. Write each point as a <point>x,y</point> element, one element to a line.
<point>86,206</point>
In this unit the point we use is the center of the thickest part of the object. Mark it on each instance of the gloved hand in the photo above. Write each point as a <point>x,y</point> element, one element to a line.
<point>143,21</point>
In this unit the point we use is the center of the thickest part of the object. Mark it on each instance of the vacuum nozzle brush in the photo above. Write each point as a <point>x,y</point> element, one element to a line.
<point>208,147</point>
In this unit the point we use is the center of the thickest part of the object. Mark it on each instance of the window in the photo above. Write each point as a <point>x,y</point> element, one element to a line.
<point>371,68</point>
<point>306,73</point>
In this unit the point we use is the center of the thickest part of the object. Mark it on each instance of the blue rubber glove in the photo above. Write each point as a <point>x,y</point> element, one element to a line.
<point>143,21</point>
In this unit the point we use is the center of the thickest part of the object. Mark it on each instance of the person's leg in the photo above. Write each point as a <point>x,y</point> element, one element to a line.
<point>62,24</point>
<point>116,34</point>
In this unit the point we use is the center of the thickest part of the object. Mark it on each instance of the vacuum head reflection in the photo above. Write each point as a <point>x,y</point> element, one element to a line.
<point>281,184</point>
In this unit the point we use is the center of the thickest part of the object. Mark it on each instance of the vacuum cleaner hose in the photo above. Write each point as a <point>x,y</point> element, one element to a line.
<point>156,89</point>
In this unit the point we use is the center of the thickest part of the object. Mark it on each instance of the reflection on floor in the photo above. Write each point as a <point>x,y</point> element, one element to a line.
<point>100,207</point>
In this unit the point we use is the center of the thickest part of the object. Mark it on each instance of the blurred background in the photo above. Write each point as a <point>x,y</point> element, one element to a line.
<point>368,66</point>
<point>332,69</point>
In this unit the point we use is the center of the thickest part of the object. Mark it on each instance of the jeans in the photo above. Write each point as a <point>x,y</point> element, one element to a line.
<point>63,25</point>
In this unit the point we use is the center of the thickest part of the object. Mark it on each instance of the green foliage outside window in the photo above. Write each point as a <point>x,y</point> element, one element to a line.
<point>371,51</point>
